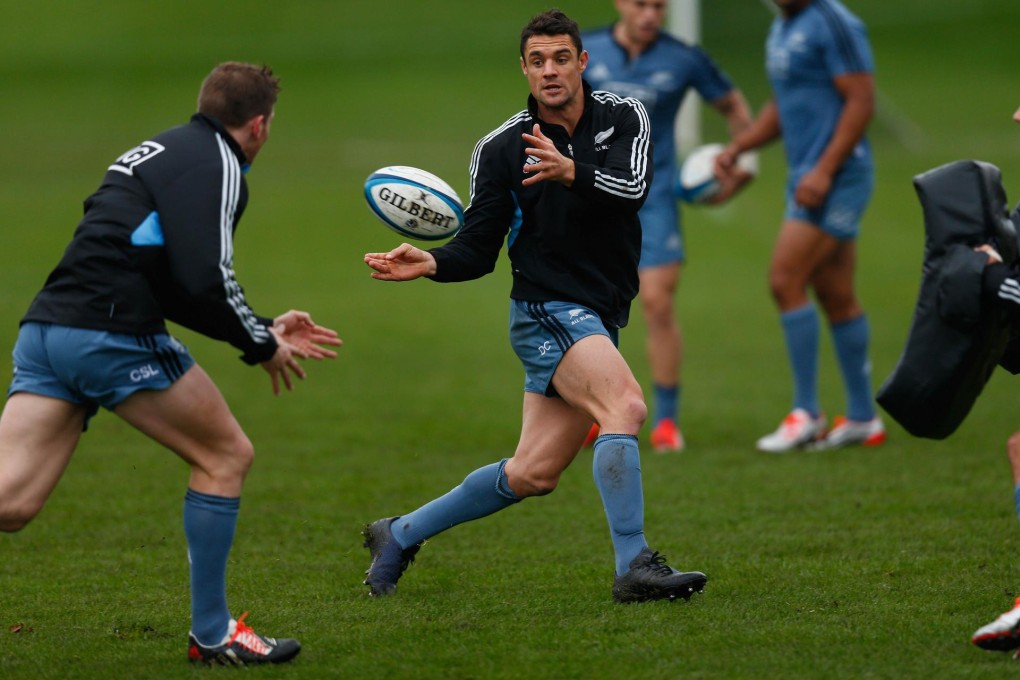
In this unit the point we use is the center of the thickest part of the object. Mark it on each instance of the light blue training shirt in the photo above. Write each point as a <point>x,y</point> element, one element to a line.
<point>803,53</point>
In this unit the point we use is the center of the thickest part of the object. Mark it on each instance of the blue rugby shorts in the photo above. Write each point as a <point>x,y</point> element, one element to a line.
<point>94,368</point>
<point>661,238</point>
<point>841,213</point>
<point>542,332</point>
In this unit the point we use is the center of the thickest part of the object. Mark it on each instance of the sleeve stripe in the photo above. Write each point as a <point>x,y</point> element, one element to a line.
<point>636,186</point>
<point>1010,290</point>
<point>476,154</point>
<point>230,194</point>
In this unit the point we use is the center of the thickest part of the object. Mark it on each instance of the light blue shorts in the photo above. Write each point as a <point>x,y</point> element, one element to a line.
<point>94,368</point>
<point>662,240</point>
<point>841,213</point>
<point>542,332</point>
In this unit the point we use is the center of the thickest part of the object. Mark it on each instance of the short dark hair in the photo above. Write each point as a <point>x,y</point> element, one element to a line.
<point>552,22</point>
<point>235,92</point>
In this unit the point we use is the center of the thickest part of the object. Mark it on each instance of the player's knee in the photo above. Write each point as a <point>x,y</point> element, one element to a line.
<point>657,305</point>
<point>780,285</point>
<point>242,454</point>
<point>528,485</point>
<point>16,516</point>
<point>786,285</point>
<point>626,414</point>
<point>527,480</point>
<point>631,409</point>
<point>838,306</point>
<point>1013,450</point>
<point>230,460</point>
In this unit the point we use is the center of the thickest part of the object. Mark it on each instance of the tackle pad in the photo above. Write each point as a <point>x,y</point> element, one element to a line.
<point>955,341</point>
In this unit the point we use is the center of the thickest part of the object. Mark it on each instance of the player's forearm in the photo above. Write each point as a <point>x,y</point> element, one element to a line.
<point>850,129</point>
<point>858,92</point>
<point>764,129</point>
<point>733,106</point>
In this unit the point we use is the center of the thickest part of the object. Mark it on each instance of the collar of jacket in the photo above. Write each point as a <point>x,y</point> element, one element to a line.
<point>533,105</point>
<point>215,124</point>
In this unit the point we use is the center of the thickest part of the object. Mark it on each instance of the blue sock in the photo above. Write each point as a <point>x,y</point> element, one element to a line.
<point>1016,500</point>
<point>666,403</point>
<point>801,329</point>
<point>617,471</point>
<point>851,341</point>
<point>482,493</point>
<point>209,523</point>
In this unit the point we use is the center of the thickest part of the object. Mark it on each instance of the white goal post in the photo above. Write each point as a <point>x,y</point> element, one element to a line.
<point>684,22</point>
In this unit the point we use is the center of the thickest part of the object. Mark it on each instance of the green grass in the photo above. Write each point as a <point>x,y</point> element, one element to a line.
<point>856,564</point>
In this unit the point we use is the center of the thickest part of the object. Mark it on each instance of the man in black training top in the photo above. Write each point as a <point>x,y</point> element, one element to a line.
<point>565,178</point>
<point>156,243</point>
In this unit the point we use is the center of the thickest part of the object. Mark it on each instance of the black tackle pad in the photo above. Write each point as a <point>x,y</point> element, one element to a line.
<point>955,341</point>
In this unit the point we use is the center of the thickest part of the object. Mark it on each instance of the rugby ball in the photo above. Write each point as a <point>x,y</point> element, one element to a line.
<point>696,181</point>
<point>414,203</point>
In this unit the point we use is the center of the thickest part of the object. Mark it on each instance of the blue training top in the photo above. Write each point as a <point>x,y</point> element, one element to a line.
<point>659,78</point>
<point>803,54</point>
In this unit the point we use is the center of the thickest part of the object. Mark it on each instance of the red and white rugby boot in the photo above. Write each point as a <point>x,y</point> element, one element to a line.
<point>797,429</point>
<point>242,647</point>
<point>1002,634</point>
<point>846,432</point>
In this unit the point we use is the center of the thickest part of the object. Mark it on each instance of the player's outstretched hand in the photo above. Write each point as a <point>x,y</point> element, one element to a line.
<point>403,263</point>
<point>297,336</point>
<point>298,329</point>
<point>551,165</point>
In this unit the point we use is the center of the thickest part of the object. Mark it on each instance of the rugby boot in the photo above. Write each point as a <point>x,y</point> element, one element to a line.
<point>797,429</point>
<point>389,560</point>
<point>846,432</point>
<point>1002,634</point>
<point>242,647</point>
<point>666,437</point>
<point>650,578</point>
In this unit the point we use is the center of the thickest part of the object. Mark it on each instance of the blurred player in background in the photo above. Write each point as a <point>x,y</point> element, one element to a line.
<point>1002,286</point>
<point>565,178</point>
<point>635,58</point>
<point>156,243</point>
<point>820,67</point>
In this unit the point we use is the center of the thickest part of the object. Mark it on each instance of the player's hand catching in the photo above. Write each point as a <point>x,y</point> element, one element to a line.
<point>551,165</point>
<point>297,336</point>
<point>403,263</point>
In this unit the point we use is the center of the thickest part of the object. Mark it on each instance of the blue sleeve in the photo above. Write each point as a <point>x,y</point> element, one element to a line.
<point>845,46</point>
<point>708,79</point>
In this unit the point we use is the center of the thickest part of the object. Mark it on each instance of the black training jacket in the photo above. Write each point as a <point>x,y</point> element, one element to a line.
<point>579,244</point>
<point>156,243</point>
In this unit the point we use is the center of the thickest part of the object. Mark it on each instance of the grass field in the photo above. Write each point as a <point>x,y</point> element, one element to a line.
<point>856,564</point>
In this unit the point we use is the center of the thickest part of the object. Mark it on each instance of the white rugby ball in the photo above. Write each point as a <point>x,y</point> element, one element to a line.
<point>696,182</point>
<point>414,203</point>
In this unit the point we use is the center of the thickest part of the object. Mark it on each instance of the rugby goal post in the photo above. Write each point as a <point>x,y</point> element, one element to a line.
<point>684,22</point>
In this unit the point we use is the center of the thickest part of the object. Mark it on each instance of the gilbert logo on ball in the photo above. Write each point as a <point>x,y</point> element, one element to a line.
<point>414,203</point>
